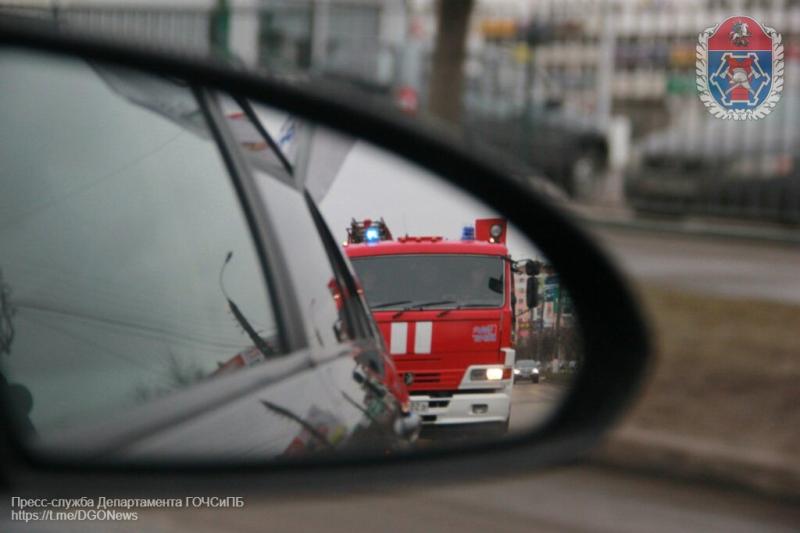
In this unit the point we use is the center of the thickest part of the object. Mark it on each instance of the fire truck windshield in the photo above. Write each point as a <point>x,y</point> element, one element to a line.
<point>431,280</point>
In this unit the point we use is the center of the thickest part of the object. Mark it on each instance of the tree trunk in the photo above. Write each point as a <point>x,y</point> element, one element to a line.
<point>447,74</point>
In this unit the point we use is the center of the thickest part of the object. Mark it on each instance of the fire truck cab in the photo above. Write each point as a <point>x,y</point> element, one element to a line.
<point>445,310</point>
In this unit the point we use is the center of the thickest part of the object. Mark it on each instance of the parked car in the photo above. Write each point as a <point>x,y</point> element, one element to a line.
<point>707,166</point>
<point>538,140</point>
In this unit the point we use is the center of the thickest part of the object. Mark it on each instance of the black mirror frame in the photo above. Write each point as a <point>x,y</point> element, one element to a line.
<point>614,331</point>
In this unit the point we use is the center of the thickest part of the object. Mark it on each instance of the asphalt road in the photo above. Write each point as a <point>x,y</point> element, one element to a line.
<point>532,403</point>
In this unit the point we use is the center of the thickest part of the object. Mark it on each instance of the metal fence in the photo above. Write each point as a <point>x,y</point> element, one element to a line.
<point>186,30</point>
<point>336,37</point>
<point>568,67</point>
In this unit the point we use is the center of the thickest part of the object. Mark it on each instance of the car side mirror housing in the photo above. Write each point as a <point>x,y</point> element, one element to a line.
<point>192,110</point>
<point>532,268</point>
<point>531,292</point>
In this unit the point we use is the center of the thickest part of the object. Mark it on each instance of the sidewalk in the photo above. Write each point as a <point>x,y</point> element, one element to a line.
<point>683,450</point>
<point>719,404</point>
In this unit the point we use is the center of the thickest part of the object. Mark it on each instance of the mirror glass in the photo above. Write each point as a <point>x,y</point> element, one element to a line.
<point>353,302</point>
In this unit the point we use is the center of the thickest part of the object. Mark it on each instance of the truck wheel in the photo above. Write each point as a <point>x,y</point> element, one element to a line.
<point>534,379</point>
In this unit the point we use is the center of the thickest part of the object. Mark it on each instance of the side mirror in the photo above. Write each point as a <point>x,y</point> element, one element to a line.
<point>532,292</point>
<point>532,268</point>
<point>211,325</point>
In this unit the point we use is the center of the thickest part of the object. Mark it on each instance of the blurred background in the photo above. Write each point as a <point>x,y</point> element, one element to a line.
<point>598,100</point>
<point>612,82</point>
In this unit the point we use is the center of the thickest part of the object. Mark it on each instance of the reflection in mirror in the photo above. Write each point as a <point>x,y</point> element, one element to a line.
<point>128,274</point>
<point>474,317</point>
<point>139,320</point>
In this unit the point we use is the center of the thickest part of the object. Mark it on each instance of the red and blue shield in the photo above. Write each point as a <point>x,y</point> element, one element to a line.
<point>740,69</point>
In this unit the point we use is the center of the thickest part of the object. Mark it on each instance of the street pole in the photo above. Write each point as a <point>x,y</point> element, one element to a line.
<point>219,29</point>
<point>540,326</point>
<point>558,323</point>
<point>320,25</point>
<point>527,126</point>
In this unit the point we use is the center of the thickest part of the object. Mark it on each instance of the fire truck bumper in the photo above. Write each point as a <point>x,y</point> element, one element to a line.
<point>463,408</point>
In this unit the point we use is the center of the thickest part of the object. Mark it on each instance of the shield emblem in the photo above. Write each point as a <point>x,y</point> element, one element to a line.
<point>740,69</point>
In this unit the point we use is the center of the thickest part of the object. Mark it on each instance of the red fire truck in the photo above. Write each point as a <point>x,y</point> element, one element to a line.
<point>445,309</point>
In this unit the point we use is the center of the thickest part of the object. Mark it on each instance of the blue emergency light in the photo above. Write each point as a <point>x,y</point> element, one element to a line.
<point>468,233</point>
<point>372,235</point>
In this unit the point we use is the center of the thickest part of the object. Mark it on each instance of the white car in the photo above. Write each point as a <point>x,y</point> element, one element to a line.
<point>526,369</point>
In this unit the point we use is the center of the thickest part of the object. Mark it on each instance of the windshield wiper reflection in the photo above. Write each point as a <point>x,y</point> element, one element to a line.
<point>390,304</point>
<point>465,305</point>
<point>258,340</point>
<point>423,305</point>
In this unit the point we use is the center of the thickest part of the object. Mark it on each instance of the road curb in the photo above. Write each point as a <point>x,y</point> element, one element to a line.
<point>708,461</point>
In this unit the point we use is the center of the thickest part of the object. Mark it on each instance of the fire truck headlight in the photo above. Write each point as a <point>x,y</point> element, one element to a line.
<point>478,374</point>
<point>494,374</point>
<point>496,230</point>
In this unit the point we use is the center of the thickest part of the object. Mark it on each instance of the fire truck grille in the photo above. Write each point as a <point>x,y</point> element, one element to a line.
<point>427,377</point>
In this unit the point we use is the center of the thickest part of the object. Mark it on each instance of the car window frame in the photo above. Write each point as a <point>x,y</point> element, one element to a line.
<point>360,316</point>
<point>358,319</point>
<point>289,319</point>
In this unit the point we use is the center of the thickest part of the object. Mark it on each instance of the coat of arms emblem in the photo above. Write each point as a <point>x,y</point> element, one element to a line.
<point>740,69</point>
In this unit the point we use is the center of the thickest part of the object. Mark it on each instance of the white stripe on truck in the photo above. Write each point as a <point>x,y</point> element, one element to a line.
<point>422,339</point>
<point>398,337</point>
